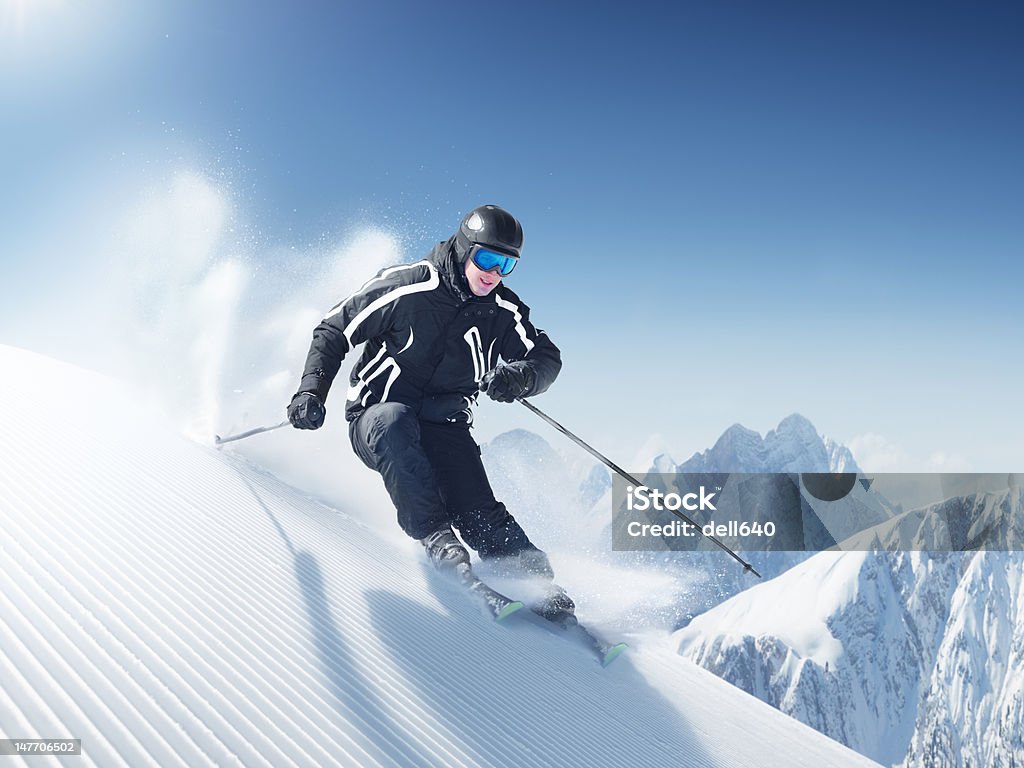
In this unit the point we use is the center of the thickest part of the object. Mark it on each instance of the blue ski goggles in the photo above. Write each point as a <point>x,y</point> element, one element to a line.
<point>486,260</point>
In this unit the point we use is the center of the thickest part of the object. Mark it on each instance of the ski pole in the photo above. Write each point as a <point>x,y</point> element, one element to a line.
<point>218,440</point>
<point>620,471</point>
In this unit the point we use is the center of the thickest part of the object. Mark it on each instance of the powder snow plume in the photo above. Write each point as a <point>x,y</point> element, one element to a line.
<point>188,305</point>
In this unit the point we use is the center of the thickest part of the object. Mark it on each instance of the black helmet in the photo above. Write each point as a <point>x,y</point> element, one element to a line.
<point>491,226</point>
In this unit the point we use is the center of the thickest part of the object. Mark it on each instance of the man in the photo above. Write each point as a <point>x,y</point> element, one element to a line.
<point>434,333</point>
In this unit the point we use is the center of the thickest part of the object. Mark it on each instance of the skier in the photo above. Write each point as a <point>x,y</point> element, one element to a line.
<point>434,332</point>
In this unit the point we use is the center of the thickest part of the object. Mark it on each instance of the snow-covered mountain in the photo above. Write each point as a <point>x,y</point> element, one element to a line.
<point>538,484</point>
<point>985,520</point>
<point>791,449</point>
<point>172,604</point>
<point>835,642</point>
<point>793,446</point>
<point>911,658</point>
<point>972,703</point>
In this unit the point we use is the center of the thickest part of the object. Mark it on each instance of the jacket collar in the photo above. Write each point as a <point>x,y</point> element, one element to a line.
<point>452,273</point>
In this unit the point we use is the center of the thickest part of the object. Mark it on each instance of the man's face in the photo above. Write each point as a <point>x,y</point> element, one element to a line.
<point>481,283</point>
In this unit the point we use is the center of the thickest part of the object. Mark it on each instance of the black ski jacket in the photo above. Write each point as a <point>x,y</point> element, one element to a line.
<point>428,341</point>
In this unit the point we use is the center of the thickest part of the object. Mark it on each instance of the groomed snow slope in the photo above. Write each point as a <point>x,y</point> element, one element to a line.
<point>171,605</point>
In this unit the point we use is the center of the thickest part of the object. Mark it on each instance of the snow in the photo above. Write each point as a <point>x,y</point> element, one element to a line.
<point>173,604</point>
<point>793,446</point>
<point>973,700</point>
<point>912,658</point>
<point>840,641</point>
<point>930,662</point>
<point>794,610</point>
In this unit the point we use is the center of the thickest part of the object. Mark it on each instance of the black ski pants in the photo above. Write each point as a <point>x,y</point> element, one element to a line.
<point>435,477</point>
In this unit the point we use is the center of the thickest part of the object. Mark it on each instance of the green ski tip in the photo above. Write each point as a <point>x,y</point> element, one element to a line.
<point>613,653</point>
<point>508,610</point>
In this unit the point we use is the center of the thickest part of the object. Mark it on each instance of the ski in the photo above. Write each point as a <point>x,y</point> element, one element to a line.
<point>569,626</point>
<point>499,606</point>
<point>565,624</point>
<point>556,614</point>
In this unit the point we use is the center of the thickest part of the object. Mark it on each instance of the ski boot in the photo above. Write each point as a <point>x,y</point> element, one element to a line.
<point>445,550</point>
<point>531,563</point>
<point>557,606</point>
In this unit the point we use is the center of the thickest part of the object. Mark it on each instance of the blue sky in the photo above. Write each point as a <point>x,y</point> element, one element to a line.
<point>732,211</point>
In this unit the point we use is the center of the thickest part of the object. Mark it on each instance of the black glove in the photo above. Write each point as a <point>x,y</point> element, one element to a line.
<point>508,382</point>
<point>306,411</point>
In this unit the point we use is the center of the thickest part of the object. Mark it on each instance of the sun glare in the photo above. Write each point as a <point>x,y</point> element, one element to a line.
<point>17,16</point>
